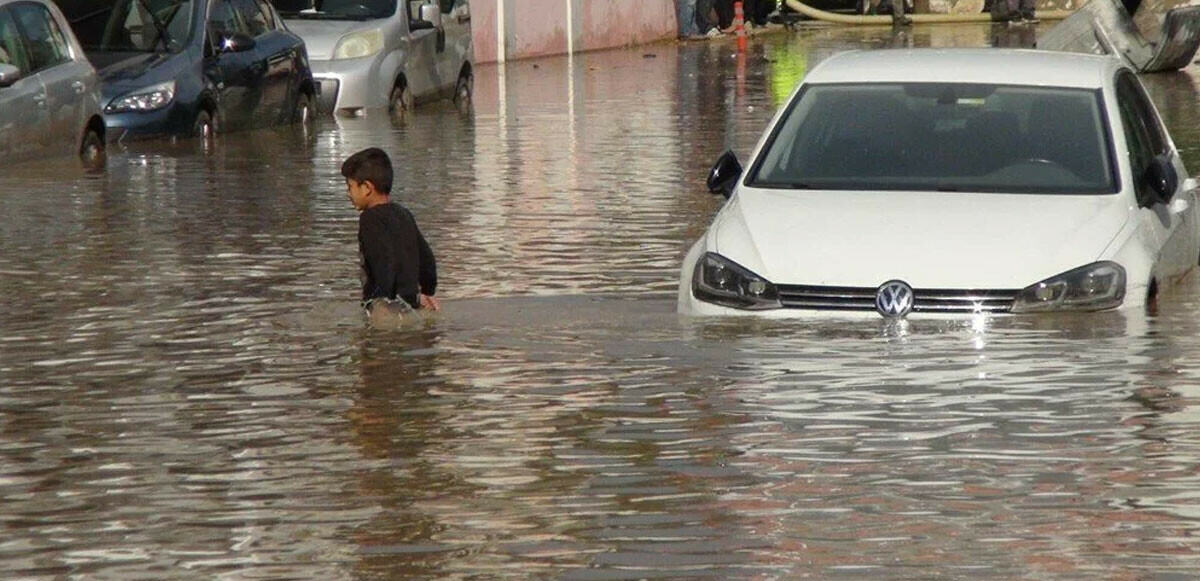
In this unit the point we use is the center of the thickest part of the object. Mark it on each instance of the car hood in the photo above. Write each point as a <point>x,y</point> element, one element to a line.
<point>929,240</point>
<point>123,72</point>
<point>322,36</point>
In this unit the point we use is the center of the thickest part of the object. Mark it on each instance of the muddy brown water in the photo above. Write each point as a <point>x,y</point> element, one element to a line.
<point>189,390</point>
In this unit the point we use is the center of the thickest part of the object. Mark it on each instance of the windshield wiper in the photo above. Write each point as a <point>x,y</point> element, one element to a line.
<point>162,28</point>
<point>781,185</point>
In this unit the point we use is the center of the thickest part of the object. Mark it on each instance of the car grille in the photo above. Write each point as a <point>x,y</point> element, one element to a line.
<point>329,94</point>
<point>842,298</point>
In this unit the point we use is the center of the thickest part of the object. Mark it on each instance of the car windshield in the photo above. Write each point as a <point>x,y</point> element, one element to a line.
<point>336,9</point>
<point>132,25</point>
<point>941,136</point>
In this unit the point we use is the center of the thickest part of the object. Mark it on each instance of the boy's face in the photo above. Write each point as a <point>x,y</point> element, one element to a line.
<point>359,193</point>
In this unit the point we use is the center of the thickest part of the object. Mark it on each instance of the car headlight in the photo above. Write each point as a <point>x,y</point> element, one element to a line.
<point>1095,287</point>
<point>359,45</point>
<point>721,281</point>
<point>150,98</point>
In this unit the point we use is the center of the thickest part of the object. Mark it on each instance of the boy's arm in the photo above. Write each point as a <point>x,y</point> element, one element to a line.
<point>427,276</point>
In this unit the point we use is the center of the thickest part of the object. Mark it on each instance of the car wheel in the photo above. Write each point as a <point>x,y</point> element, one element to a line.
<point>400,102</point>
<point>93,152</point>
<point>306,111</point>
<point>464,91</point>
<point>205,129</point>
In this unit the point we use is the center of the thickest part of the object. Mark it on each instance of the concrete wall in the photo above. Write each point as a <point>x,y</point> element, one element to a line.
<point>547,27</point>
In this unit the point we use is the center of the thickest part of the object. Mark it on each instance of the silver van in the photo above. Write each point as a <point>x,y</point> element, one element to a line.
<point>385,54</point>
<point>49,93</point>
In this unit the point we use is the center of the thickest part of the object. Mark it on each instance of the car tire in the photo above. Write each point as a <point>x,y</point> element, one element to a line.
<point>464,91</point>
<point>205,129</point>
<point>400,102</point>
<point>93,152</point>
<point>305,113</point>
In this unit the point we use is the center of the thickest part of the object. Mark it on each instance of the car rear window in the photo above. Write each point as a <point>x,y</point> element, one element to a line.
<point>941,136</point>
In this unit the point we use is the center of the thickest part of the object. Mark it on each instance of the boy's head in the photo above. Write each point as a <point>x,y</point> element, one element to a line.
<point>368,176</point>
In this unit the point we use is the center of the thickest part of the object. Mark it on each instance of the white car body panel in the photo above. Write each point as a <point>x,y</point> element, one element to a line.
<point>929,239</point>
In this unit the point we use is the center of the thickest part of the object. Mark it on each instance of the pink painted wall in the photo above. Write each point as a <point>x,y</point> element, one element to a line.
<point>483,30</point>
<point>536,27</point>
<point>540,27</point>
<point>609,23</point>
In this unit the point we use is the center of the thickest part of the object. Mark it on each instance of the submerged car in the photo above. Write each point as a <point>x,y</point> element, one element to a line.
<point>49,93</point>
<point>954,181</point>
<point>193,67</point>
<point>385,54</point>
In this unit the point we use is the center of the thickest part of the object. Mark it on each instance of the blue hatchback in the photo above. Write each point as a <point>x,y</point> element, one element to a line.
<point>193,67</point>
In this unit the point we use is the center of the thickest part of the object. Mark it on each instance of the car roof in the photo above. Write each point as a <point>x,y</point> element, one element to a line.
<point>972,65</point>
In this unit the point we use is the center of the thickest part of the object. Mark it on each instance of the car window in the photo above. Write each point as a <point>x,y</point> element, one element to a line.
<point>222,23</point>
<point>336,9</point>
<point>940,136</point>
<point>45,41</point>
<point>134,25</point>
<point>269,14</point>
<point>12,48</point>
<point>252,16</point>
<point>1142,137</point>
<point>1129,89</point>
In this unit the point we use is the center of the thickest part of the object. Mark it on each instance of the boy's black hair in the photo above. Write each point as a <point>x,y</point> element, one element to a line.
<point>370,165</point>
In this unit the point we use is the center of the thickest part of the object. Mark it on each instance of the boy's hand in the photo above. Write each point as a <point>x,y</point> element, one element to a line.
<point>430,303</point>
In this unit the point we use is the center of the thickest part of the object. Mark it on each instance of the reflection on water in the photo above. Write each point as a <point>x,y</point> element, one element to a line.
<point>190,390</point>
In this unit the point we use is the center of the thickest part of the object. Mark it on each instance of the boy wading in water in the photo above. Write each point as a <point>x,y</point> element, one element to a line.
<point>399,271</point>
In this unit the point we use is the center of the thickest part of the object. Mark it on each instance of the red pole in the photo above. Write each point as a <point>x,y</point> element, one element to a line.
<point>739,24</point>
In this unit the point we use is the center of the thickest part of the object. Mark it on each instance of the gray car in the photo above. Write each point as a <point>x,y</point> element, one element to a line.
<point>49,93</point>
<point>377,54</point>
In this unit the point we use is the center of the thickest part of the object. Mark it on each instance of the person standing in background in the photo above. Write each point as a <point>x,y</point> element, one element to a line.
<point>708,20</point>
<point>685,13</point>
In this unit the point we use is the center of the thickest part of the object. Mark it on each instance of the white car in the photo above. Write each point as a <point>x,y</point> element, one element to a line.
<point>375,54</point>
<point>950,181</point>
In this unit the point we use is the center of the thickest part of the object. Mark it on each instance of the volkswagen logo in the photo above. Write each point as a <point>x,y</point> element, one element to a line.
<point>894,299</point>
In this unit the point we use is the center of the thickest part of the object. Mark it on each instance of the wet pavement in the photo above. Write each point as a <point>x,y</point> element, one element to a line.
<point>189,390</point>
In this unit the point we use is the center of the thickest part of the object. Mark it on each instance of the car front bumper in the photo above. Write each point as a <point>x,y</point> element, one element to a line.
<point>169,121</point>
<point>350,86</point>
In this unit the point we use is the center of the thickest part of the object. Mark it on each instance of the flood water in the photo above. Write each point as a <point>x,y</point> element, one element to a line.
<point>188,389</point>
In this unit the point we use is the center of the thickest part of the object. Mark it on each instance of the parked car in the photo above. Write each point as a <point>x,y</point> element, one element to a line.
<point>49,93</point>
<point>376,54</point>
<point>193,67</point>
<point>951,181</point>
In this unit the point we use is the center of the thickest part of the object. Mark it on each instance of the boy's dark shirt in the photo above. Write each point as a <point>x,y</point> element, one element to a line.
<point>397,262</point>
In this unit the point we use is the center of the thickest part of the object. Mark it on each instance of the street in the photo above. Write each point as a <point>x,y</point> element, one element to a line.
<point>190,391</point>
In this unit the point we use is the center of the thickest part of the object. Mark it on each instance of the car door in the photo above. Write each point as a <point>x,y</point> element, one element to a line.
<point>233,70</point>
<point>273,56</point>
<point>23,111</point>
<point>60,75</point>
<point>1170,227</point>
<point>456,49</point>
<point>423,53</point>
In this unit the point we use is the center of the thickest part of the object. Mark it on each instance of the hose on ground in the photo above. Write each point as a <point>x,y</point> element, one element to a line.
<point>816,14</point>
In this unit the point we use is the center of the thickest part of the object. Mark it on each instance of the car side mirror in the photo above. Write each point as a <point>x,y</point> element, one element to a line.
<point>237,42</point>
<point>1161,179</point>
<point>9,75</point>
<point>431,13</point>
<point>723,176</point>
